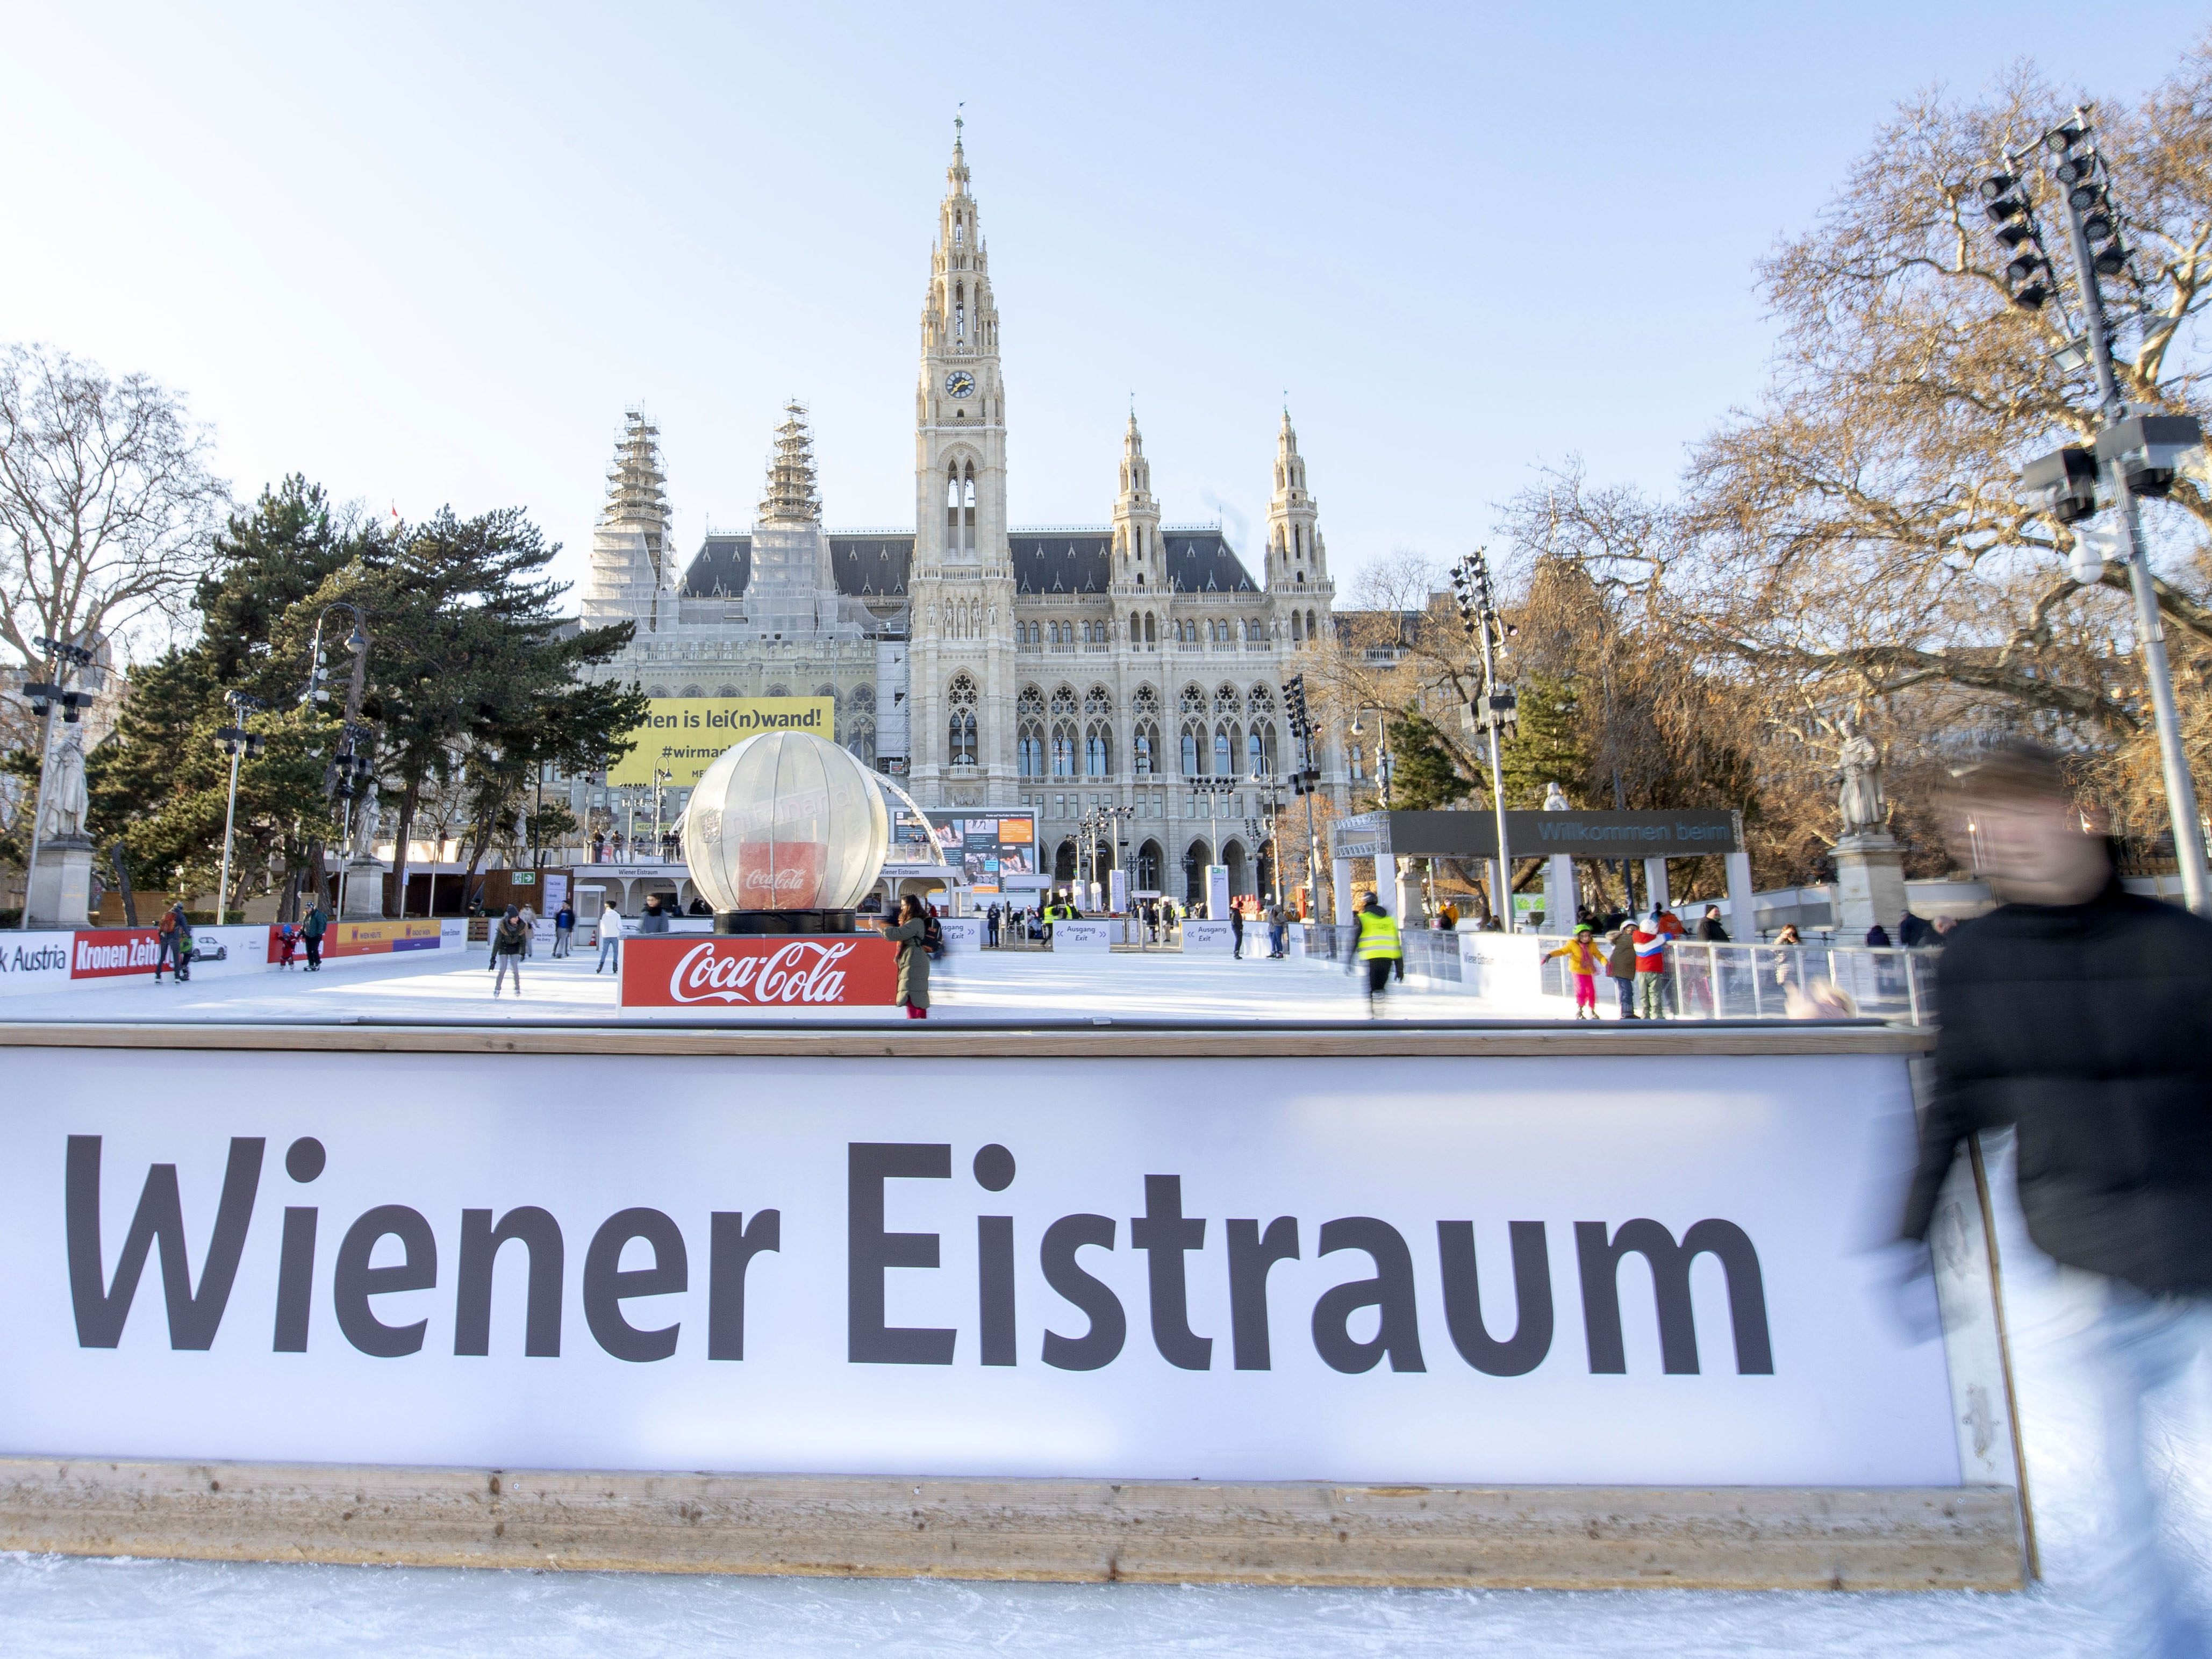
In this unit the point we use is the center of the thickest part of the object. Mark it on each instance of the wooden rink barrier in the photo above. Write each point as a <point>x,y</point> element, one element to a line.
<point>75,1496</point>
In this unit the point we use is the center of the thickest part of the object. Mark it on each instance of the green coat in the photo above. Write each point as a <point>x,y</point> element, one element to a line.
<point>913,962</point>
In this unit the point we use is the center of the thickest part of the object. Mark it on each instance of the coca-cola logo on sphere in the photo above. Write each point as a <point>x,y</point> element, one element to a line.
<point>758,973</point>
<point>779,875</point>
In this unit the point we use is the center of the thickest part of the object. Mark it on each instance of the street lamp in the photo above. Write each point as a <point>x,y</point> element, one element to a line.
<point>48,697</point>
<point>236,741</point>
<point>1213,788</point>
<point>1306,780</point>
<point>2136,453</point>
<point>1496,710</point>
<point>659,780</point>
<point>346,776</point>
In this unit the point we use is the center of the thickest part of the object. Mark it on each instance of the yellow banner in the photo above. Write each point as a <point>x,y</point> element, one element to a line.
<point>684,736</point>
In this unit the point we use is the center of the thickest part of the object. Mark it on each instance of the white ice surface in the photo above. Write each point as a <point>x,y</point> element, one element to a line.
<point>59,1607</point>
<point>985,985</point>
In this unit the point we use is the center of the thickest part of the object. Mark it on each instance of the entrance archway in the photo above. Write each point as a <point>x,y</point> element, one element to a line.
<point>1194,860</point>
<point>1148,867</point>
<point>1063,862</point>
<point>1240,869</point>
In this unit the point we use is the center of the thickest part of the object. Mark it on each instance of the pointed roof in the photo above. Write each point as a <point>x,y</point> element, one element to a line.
<point>636,485</point>
<point>791,498</point>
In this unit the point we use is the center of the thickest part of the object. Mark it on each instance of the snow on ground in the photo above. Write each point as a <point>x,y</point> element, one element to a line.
<point>52,1605</point>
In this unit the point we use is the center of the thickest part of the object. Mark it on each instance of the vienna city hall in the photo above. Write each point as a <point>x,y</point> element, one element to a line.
<point>1070,670</point>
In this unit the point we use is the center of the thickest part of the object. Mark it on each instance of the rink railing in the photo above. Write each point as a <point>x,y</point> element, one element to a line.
<point>1705,981</point>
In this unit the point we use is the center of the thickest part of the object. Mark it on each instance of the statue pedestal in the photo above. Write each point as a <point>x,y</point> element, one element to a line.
<point>1869,885</point>
<point>60,887</point>
<point>364,891</point>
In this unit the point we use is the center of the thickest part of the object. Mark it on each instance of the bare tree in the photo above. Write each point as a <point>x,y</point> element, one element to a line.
<point>107,510</point>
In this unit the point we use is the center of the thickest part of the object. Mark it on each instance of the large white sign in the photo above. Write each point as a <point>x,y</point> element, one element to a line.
<point>1208,937</point>
<point>1603,1271</point>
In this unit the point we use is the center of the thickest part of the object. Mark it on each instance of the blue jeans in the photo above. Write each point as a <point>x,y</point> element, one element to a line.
<point>2146,1346</point>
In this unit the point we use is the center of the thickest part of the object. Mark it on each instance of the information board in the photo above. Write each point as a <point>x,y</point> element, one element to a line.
<point>684,736</point>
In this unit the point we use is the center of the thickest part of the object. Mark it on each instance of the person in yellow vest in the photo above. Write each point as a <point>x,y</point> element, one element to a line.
<point>1379,947</point>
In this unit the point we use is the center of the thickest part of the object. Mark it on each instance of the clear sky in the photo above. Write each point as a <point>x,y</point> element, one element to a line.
<point>427,253</point>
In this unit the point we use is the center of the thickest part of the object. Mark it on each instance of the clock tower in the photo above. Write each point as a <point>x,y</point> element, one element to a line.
<point>960,588</point>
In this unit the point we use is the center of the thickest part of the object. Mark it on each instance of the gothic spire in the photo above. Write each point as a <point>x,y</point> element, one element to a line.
<point>791,498</point>
<point>635,483</point>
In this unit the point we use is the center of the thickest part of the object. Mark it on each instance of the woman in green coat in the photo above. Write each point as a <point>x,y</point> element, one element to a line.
<point>908,932</point>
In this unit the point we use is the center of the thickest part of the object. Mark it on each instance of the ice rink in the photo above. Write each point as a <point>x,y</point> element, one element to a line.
<point>986,985</point>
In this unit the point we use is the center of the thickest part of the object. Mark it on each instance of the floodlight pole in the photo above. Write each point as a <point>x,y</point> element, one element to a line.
<point>38,815</point>
<point>2150,628</point>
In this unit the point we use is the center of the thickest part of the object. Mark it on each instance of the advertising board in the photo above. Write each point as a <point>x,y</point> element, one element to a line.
<point>1085,935</point>
<point>33,962</point>
<point>1341,1269</point>
<point>996,854</point>
<point>722,973</point>
<point>684,736</point>
<point>374,939</point>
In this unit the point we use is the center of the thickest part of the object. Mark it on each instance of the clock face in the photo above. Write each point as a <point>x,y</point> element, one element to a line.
<point>960,383</point>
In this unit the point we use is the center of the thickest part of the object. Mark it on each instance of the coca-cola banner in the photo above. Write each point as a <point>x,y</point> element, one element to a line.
<point>738,972</point>
<point>1591,1270</point>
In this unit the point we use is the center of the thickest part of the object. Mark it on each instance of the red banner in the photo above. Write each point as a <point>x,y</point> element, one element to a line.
<point>678,970</point>
<point>783,875</point>
<point>106,952</point>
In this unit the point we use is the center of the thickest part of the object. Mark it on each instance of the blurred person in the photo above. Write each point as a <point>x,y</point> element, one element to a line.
<point>1877,938</point>
<point>311,930</point>
<point>1709,931</point>
<point>611,938</point>
<point>1377,944</point>
<point>2080,1015</point>
<point>564,926</point>
<point>173,939</point>
<point>529,936</point>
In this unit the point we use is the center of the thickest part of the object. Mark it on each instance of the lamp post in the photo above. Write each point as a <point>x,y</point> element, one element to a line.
<point>1213,788</point>
<point>236,741</point>
<point>1495,711</point>
<point>348,772</point>
<point>2137,452</point>
<point>1306,780</point>
<point>660,780</point>
<point>46,697</point>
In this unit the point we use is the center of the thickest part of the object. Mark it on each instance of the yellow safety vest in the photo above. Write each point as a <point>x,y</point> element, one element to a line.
<point>1378,937</point>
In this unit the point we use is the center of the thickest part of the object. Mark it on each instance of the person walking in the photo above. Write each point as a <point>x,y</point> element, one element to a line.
<point>1237,930</point>
<point>311,934</point>
<point>991,926</point>
<point>910,933</point>
<point>1621,967</point>
<point>510,942</point>
<point>172,940</point>
<point>1709,931</point>
<point>564,925</point>
<point>654,919</point>
<point>611,938</point>
<point>1651,977</point>
<point>1378,945</point>
<point>2080,1015</point>
<point>528,934</point>
<point>1583,961</point>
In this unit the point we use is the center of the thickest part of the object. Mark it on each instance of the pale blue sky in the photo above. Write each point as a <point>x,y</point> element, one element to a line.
<point>429,253</point>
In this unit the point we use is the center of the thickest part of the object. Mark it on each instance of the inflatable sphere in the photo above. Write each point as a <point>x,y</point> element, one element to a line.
<point>785,821</point>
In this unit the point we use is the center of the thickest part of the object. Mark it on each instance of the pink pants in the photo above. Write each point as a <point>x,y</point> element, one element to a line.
<point>1585,992</point>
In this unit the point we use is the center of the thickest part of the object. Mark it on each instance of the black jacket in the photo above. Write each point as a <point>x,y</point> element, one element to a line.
<point>2089,1026</point>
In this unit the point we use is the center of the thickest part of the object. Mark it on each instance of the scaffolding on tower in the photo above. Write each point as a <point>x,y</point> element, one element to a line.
<point>792,497</point>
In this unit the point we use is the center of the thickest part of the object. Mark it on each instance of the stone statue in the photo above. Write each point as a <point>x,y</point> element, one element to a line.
<point>1859,799</point>
<point>67,801</point>
<point>1555,798</point>
<point>365,823</point>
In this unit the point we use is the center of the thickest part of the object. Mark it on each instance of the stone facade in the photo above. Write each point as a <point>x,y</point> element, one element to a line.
<point>1063,669</point>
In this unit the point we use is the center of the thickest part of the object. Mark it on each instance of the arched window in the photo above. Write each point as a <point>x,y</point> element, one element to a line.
<point>960,722</point>
<point>1065,757</point>
<point>1145,738</point>
<point>862,698</point>
<point>728,691</point>
<point>1224,764</point>
<point>1255,754</point>
<point>860,742</point>
<point>1312,634</point>
<point>1151,638</point>
<point>691,691</point>
<point>1098,751</point>
<point>1190,747</point>
<point>1028,744</point>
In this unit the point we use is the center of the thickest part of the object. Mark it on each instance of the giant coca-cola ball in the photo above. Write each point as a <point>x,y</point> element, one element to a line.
<point>785,821</point>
